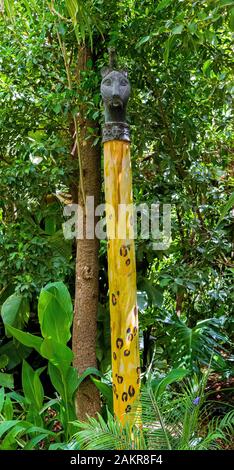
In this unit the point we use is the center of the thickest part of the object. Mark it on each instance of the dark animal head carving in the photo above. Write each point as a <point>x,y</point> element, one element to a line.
<point>115,90</point>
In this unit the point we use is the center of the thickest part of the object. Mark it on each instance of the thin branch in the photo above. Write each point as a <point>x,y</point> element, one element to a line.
<point>66,63</point>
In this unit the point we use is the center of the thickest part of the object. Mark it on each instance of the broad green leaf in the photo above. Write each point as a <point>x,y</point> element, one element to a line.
<point>32,386</point>
<point>55,312</point>
<point>87,372</point>
<point>26,338</point>
<point>15,353</point>
<point>6,425</point>
<point>32,443</point>
<point>3,361</point>
<point>175,375</point>
<point>17,397</point>
<point>15,311</point>
<point>64,382</point>
<point>38,390</point>
<point>6,380</point>
<point>154,293</point>
<point>19,430</point>
<point>8,410</point>
<point>49,404</point>
<point>72,380</point>
<point>57,380</point>
<point>57,353</point>
<point>106,391</point>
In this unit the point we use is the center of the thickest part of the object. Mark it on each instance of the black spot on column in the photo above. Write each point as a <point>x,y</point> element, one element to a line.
<point>131,391</point>
<point>119,343</point>
<point>124,396</point>
<point>120,379</point>
<point>126,352</point>
<point>123,251</point>
<point>114,300</point>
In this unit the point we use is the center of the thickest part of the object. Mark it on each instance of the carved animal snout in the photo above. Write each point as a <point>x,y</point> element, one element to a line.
<point>116,99</point>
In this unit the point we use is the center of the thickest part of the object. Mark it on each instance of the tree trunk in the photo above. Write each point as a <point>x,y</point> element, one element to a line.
<point>87,269</point>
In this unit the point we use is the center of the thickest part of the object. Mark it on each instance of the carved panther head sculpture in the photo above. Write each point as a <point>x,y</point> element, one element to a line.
<point>115,90</point>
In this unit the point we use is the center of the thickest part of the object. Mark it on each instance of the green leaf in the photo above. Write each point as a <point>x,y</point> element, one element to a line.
<point>19,429</point>
<point>61,28</point>
<point>57,380</point>
<point>206,67</point>
<point>175,375</point>
<point>15,353</point>
<point>6,425</point>
<point>231,20</point>
<point>32,443</point>
<point>154,293</point>
<point>3,361</point>
<point>57,108</point>
<point>225,3</point>
<point>10,9</point>
<point>49,404</point>
<point>178,29</point>
<point>64,382</point>
<point>15,311</point>
<point>55,312</point>
<point>6,380</point>
<point>72,381</point>
<point>2,398</point>
<point>106,391</point>
<point>59,354</point>
<point>87,372</point>
<point>226,208</point>
<point>143,41</point>
<point>163,4</point>
<point>8,410</point>
<point>167,47</point>
<point>72,8</point>
<point>32,386</point>
<point>26,338</point>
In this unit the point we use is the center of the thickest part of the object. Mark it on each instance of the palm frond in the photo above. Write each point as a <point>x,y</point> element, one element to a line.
<point>96,434</point>
<point>169,421</point>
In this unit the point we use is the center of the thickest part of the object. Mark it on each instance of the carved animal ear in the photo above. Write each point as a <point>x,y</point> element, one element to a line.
<point>105,71</point>
<point>124,72</point>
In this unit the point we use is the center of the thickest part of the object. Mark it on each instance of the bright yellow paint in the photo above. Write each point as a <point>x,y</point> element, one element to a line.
<point>122,277</point>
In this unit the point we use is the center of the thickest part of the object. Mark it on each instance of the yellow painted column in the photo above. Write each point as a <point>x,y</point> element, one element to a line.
<point>122,277</point>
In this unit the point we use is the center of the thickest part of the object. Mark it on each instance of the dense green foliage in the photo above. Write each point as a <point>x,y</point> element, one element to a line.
<point>178,55</point>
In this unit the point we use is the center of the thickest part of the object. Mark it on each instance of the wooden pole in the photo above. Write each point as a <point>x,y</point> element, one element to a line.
<point>122,277</point>
<point>115,90</point>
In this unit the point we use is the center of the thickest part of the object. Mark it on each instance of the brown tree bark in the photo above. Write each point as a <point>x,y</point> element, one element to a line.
<point>87,269</point>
